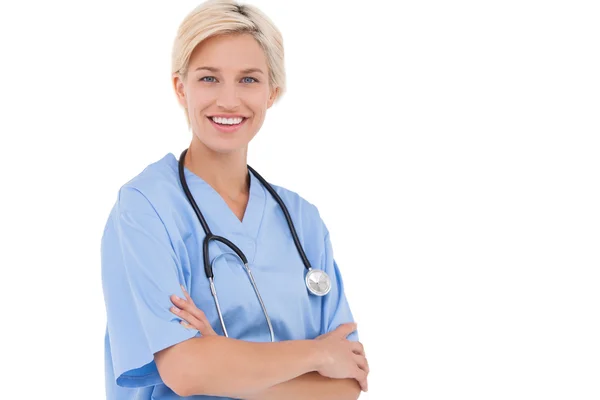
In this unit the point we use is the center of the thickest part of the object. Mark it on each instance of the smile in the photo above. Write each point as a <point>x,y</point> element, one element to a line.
<point>227,125</point>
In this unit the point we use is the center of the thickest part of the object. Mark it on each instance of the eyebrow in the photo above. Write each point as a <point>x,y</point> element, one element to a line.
<point>244,71</point>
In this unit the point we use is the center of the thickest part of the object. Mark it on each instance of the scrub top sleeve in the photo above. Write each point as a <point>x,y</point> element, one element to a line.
<point>140,271</point>
<point>336,309</point>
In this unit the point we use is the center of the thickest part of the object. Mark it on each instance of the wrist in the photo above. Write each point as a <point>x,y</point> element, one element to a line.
<point>318,354</point>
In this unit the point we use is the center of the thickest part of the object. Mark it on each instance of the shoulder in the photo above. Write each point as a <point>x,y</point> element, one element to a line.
<point>143,205</point>
<point>147,195</point>
<point>149,189</point>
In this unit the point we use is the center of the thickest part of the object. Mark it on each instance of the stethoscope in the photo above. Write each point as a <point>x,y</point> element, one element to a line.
<point>317,281</point>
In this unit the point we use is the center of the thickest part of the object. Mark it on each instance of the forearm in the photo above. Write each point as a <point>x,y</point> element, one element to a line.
<point>220,366</point>
<point>310,386</point>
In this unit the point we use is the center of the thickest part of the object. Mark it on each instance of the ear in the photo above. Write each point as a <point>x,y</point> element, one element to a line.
<point>272,97</point>
<point>179,89</point>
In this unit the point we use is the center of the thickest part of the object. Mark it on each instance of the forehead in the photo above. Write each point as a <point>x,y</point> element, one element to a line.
<point>229,52</point>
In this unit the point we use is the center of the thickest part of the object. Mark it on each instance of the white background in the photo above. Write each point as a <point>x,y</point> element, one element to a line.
<point>451,147</point>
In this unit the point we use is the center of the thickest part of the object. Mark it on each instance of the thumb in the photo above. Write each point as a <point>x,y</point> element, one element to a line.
<point>345,329</point>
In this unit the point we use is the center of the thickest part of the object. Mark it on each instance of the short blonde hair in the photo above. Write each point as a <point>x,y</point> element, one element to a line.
<point>220,17</point>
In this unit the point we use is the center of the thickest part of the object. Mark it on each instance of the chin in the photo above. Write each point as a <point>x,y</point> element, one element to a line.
<point>226,147</point>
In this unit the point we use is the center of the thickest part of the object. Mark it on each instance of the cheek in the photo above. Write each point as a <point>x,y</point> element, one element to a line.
<point>198,99</point>
<point>259,106</point>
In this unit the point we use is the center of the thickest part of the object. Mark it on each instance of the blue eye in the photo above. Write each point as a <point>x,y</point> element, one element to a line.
<point>247,79</point>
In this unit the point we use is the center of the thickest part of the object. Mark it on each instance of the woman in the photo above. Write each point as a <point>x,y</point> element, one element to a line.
<point>270,332</point>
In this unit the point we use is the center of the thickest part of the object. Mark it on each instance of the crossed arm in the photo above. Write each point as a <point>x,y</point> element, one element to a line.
<point>329,367</point>
<point>311,386</point>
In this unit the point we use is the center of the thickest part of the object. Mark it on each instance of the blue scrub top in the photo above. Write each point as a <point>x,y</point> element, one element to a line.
<point>152,243</point>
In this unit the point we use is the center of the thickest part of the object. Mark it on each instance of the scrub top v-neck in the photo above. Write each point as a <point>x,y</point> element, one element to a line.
<point>221,218</point>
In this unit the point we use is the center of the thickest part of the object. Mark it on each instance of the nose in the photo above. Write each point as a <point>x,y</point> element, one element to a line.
<point>228,98</point>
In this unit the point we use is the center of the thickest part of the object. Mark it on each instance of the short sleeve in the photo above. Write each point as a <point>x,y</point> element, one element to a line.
<point>336,309</point>
<point>140,272</point>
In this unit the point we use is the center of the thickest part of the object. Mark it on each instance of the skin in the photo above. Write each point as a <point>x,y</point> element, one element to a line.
<point>221,158</point>
<point>194,318</point>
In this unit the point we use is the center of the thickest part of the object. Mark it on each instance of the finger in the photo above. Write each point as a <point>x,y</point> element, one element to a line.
<point>189,318</point>
<point>200,321</point>
<point>205,330</point>
<point>189,306</point>
<point>186,294</point>
<point>362,363</point>
<point>181,304</point>
<point>364,385</point>
<point>361,378</point>
<point>196,318</point>
<point>178,301</point>
<point>357,348</point>
<point>186,325</point>
<point>345,329</point>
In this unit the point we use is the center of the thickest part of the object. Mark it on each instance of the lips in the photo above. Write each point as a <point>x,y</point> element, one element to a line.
<point>227,128</point>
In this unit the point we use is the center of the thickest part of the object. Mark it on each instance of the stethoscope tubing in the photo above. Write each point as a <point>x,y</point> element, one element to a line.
<point>209,236</point>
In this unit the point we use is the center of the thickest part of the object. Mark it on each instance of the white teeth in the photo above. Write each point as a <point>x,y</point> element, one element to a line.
<point>227,121</point>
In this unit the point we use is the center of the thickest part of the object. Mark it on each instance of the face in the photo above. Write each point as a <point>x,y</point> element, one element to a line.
<point>226,91</point>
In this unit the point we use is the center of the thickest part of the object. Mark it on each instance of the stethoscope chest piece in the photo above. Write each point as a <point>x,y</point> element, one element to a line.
<point>318,282</point>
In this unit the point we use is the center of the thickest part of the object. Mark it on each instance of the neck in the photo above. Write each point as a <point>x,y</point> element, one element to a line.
<point>226,173</point>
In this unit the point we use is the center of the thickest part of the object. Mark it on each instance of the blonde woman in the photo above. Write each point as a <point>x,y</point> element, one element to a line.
<point>216,283</point>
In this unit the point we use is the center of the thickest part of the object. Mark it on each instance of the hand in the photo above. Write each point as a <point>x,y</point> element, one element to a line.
<point>344,358</point>
<point>192,316</point>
